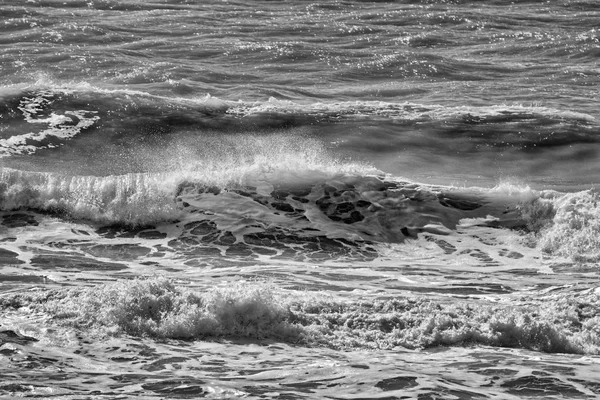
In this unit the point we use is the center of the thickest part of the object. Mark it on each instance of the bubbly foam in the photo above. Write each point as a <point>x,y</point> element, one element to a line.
<point>406,110</point>
<point>157,307</point>
<point>575,229</point>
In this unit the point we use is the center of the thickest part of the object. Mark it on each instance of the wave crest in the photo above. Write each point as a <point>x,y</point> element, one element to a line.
<point>134,199</point>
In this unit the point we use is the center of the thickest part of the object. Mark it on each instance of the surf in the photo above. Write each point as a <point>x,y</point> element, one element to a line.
<point>162,309</point>
<point>265,206</point>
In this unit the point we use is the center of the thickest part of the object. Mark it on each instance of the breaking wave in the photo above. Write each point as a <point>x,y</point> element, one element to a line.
<point>373,208</point>
<point>575,229</point>
<point>128,200</point>
<point>159,308</point>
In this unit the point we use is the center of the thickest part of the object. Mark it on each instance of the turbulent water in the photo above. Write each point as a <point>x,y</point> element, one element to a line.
<point>297,200</point>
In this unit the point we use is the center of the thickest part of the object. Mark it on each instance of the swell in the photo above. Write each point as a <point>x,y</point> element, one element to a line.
<point>36,119</point>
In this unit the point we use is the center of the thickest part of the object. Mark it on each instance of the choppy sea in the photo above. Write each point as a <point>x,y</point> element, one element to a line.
<point>299,199</point>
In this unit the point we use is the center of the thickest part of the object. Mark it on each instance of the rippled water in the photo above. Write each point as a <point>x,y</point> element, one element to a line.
<point>344,199</point>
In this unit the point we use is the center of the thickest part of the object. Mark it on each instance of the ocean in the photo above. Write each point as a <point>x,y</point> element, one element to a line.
<point>343,199</point>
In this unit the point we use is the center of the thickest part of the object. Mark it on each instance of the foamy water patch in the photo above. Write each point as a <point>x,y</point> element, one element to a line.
<point>406,110</point>
<point>562,321</point>
<point>575,229</point>
<point>159,308</point>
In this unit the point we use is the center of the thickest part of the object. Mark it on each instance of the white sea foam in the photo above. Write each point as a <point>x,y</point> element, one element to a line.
<point>133,199</point>
<point>159,308</point>
<point>60,127</point>
<point>404,110</point>
<point>575,229</point>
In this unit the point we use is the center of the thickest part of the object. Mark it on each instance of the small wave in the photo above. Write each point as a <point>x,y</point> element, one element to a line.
<point>42,94</point>
<point>159,308</point>
<point>36,109</point>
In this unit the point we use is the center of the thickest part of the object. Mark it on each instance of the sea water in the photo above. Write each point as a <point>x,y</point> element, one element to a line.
<point>275,199</point>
